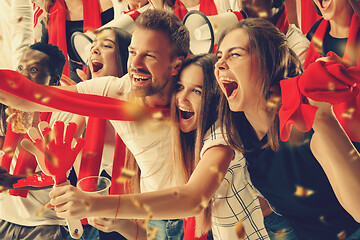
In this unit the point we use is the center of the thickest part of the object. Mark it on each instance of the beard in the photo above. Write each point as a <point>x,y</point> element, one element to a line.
<point>154,86</point>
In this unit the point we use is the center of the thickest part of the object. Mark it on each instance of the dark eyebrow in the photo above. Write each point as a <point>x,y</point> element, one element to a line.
<point>105,39</point>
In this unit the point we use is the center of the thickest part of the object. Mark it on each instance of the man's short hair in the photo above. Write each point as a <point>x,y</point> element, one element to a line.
<point>167,22</point>
<point>56,57</point>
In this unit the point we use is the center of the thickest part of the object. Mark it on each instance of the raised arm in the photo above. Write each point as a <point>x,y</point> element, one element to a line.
<point>338,157</point>
<point>177,202</point>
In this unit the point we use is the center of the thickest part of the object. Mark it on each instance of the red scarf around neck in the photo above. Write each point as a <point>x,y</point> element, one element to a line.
<point>57,24</point>
<point>348,113</point>
<point>207,7</point>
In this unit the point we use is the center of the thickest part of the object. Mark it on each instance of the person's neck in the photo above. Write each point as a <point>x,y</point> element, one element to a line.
<point>259,119</point>
<point>340,25</point>
<point>161,98</point>
<point>190,3</point>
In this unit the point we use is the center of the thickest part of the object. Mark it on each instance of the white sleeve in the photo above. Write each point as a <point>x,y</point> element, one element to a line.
<point>213,137</point>
<point>21,21</point>
<point>297,41</point>
<point>105,86</point>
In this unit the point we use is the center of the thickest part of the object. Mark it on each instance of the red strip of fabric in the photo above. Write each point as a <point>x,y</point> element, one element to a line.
<point>283,22</point>
<point>207,7</point>
<point>308,16</point>
<point>57,24</point>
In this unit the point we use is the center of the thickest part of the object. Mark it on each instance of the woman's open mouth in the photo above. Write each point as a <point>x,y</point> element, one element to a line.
<point>96,66</point>
<point>230,86</point>
<point>186,114</point>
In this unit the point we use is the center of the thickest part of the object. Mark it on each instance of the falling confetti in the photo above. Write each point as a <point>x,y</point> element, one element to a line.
<point>216,170</point>
<point>348,113</point>
<point>51,158</point>
<point>40,211</point>
<point>354,155</point>
<point>303,192</point>
<point>240,230</point>
<point>152,233</point>
<point>318,44</point>
<point>273,102</point>
<point>9,151</point>
<point>126,174</point>
<point>203,204</point>
<point>12,84</point>
<point>141,206</point>
<point>41,98</point>
<point>341,235</point>
<point>20,19</point>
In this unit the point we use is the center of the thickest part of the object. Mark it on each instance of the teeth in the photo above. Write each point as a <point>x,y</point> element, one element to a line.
<point>184,110</point>
<point>225,79</point>
<point>140,77</point>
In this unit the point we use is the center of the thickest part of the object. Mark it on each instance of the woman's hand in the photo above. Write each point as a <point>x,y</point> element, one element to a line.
<point>70,202</point>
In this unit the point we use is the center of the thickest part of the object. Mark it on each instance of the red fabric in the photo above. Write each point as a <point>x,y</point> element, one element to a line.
<point>308,16</point>
<point>283,22</point>
<point>118,164</point>
<point>207,7</point>
<point>334,84</point>
<point>57,24</point>
<point>26,163</point>
<point>189,230</point>
<point>351,124</point>
<point>82,104</point>
<point>10,144</point>
<point>92,152</point>
<point>35,180</point>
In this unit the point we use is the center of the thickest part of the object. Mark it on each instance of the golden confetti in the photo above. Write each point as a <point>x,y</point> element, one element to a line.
<point>41,211</point>
<point>2,188</point>
<point>157,115</point>
<point>203,204</point>
<point>126,174</point>
<point>348,113</point>
<point>303,192</point>
<point>20,19</point>
<point>240,230</point>
<point>341,235</point>
<point>148,219</point>
<point>141,206</point>
<point>12,84</point>
<point>152,233</point>
<point>49,138</point>
<point>318,44</point>
<point>331,86</point>
<point>9,151</point>
<point>51,158</point>
<point>280,232</point>
<point>41,98</point>
<point>273,102</point>
<point>354,155</point>
<point>216,170</point>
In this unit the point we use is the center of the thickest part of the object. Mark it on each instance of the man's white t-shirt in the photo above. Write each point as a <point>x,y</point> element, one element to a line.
<point>150,142</point>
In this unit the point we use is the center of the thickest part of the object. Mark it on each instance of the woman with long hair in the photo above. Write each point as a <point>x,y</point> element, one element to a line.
<point>309,181</point>
<point>213,171</point>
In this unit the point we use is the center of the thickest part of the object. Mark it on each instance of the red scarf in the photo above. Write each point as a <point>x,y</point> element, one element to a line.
<point>283,22</point>
<point>334,84</point>
<point>57,23</point>
<point>308,16</point>
<point>207,7</point>
<point>351,124</point>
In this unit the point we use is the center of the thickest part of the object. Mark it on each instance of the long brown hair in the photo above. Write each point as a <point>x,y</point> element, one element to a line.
<point>276,61</point>
<point>187,146</point>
